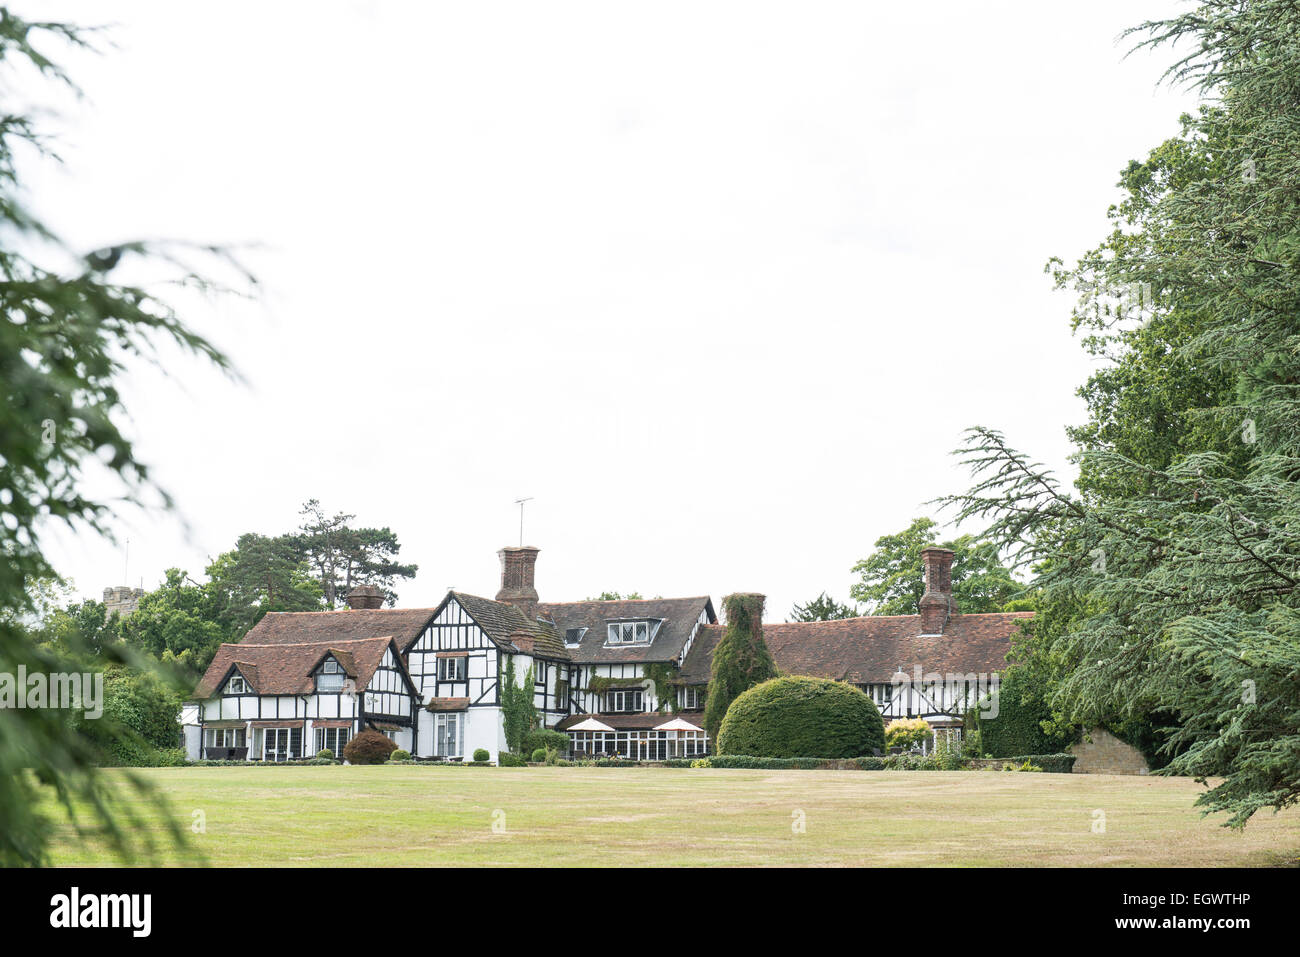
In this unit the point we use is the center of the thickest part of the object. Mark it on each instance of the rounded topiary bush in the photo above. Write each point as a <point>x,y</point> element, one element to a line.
<point>802,718</point>
<point>368,747</point>
<point>325,754</point>
<point>539,756</point>
<point>481,754</point>
<point>400,754</point>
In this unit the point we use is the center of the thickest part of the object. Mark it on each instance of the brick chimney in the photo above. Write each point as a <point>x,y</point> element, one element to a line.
<point>365,596</point>
<point>937,604</point>
<point>517,566</point>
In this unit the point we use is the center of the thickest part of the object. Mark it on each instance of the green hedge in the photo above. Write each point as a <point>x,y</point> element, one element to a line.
<point>297,762</point>
<point>1052,763</point>
<point>802,718</point>
<point>544,739</point>
<point>507,760</point>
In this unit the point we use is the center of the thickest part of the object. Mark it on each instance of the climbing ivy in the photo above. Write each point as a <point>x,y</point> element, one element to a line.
<point>662,674</point>
<point>519,714</point>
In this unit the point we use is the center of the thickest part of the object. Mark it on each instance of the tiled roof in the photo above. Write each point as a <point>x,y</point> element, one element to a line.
<point>502,621</point>
<point>679,618</point>
<point>448,704</point>
<point>870,650</point>
<point>286,667</point>
<point>404,624</point>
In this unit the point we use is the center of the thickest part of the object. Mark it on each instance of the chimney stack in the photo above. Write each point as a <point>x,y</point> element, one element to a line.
<point>517,567</point>
<point>365,596</point>
<point>937,604</point>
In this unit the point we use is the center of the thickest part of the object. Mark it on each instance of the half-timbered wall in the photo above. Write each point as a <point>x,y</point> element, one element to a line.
<point>942,698</point>
<point>387,694</point>
<point>589,702</point>
<point>387,697</point>
<point>453,633</point>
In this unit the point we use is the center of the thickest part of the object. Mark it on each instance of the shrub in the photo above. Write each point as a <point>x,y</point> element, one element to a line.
<point>1053,763</point>
<point>801,718</point>
<point>368,747</point>
<point>906,733</point>
<point>546,739</point>
<point>167,758</point>
<point>326,754</point>
<point>539,756</point>
<point>400,754</point>
<point>507,760</point>
<point>482,754</point>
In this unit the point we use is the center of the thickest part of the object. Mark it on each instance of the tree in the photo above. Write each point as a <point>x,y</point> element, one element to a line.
<point>892,577</point>
<point>1179,566</point>
<point>822,608</point>
<point>342,556</point>
<point>261,574</point>
<point>179,619</point>
<point>740,661</point>
<point>67,326</point>
<point>615,596</point>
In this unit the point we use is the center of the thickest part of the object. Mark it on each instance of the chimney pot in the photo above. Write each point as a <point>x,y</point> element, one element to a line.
<point>937,604</point>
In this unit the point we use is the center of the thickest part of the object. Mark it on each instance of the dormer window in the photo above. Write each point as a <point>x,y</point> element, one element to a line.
<point>331,675</point>
<point>573,637</point>
<point>237,685</point>
<point>628,633</point>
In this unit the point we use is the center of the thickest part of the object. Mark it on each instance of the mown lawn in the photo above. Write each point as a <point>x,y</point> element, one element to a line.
<point>409,815</point>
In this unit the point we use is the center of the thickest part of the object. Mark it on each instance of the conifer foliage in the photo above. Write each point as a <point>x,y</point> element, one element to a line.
<point>1183,576</point>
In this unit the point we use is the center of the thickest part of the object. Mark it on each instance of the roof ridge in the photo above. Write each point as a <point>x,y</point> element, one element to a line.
<point>297,644</point>
<point>610,601</point>
<point>340,611</point>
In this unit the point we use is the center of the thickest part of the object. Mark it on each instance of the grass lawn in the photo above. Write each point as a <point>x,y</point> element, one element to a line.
<point>402,816</point>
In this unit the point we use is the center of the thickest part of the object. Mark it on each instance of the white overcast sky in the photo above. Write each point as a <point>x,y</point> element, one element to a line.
<point>718,284</point>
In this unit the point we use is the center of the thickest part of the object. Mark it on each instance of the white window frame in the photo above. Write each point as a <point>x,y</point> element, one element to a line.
<point>224,737</point>
<point>441,738</point>
<point>459,670</point>
<point>335,739</point>
<point>285,753</point>
<point>331,669</point>
<point>628,633</point>
<point>689,698</point>
<point>237,685</point>
<point>621,697</point>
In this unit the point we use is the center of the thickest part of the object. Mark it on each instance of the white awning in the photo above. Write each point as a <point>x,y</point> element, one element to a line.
<point>591,724</point>
<point>678,724</point>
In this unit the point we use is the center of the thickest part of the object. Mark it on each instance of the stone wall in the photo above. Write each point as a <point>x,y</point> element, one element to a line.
<point>1100,752</point>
